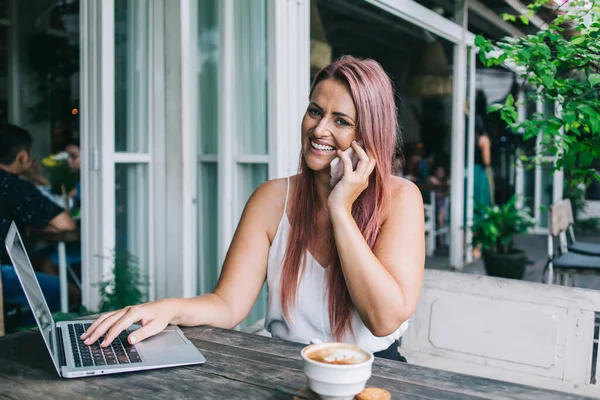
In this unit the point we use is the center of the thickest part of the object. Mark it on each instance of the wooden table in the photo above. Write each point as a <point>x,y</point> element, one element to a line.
<point>239,366</point>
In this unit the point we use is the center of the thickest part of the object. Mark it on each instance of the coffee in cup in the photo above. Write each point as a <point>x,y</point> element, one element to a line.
<point>336,370</point>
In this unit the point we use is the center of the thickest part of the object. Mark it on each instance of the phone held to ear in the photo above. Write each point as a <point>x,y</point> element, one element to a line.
<point>336,171</point>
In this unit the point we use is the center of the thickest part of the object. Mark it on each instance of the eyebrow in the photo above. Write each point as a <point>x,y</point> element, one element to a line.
<point>340,114</point>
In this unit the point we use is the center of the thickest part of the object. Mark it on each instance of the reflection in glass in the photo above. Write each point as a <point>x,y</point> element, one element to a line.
<point>131,212</point>
<point>251,76</point>
<point>132,62</point>
<point>208,225</point>
<point>208,70</point>
<point>250,176</point>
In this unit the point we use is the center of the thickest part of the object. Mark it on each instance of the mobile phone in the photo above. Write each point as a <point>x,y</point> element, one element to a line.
<point>336,170</point>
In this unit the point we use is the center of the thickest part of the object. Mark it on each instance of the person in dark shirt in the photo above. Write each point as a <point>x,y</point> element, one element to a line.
<point>22,202</point>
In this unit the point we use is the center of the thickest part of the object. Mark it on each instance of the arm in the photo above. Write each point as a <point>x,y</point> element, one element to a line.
<point>486,151</point>
<point>243,275</point>
<point>384,283</point>
<point>392,273</point>
<point>62,222</point>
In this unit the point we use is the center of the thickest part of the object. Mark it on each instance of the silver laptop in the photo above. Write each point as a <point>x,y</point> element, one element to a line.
<point>71,357</point>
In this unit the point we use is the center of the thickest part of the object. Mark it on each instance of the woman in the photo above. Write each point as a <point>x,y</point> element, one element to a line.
<point>341,264</point>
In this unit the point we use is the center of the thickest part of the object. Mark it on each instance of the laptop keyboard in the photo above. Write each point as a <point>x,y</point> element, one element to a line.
<point>119,351</point>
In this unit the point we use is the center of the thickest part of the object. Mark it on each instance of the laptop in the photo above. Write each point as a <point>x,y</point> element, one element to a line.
<point>73,359</point>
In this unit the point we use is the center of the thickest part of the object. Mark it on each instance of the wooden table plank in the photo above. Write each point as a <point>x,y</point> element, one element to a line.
<point>272,371</point>
<point>465,385</point>
<point>26,371</point>
<point>240,366</point>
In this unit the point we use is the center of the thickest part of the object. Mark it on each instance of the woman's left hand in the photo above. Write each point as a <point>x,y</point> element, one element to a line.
<point>353,183</point>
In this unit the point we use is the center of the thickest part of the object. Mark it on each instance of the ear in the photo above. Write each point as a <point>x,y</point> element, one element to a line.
<point>23,157</point>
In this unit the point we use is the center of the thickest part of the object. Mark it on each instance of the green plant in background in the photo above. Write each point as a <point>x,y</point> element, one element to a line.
<point>495,226</point>
<point>126,286</point>
<point>560,63</point>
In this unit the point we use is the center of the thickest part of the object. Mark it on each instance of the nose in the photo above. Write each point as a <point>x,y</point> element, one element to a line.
<point>322,129</point>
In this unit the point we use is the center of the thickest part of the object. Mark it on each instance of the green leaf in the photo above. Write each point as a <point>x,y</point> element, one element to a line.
<point>509,17</point>
<point>495,107</point>
<point>510,100</point>
<point>524,19</point>
<point>594,79</point>
<point>578,40</point>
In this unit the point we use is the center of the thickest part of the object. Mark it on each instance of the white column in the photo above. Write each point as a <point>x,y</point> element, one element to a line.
<point>189,102</point>
<point>458,145</point>
<point>537,197</point>
<point>226,174</point>
<point>471,154</point>
<point>289,81</point>
<point>559,175</point>
<point>520,171</point>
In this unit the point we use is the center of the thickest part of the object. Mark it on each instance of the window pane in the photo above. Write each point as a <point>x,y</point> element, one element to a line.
<point>3,73</point>
<point>251,76</point>
<point>250,176</point>
<point>131,212</point>
<point>208,75</point>
<point>132,60</point>
<point>208,218</point>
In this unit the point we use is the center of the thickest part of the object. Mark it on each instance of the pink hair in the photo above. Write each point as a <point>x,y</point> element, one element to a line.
<point>377,127</point>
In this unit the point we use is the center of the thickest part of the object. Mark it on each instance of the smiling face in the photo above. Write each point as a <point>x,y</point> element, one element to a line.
<point>329,124</point>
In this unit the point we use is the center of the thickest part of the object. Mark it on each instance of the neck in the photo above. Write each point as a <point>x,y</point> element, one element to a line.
<point>9,168</point>
<point>323,188</point>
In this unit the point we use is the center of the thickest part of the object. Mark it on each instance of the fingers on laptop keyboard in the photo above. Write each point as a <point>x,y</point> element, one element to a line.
<point>103,326</point>
<point>91,328</point>
<point>120,322</point>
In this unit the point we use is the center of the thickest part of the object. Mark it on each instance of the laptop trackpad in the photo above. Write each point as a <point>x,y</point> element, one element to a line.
<point>165,338</point>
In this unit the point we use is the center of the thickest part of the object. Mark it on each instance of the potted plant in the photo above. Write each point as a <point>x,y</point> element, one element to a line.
<point>126,286</point>
<point>493,229</point>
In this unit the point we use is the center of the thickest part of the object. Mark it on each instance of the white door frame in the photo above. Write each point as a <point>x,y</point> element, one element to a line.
<point>99,156</point>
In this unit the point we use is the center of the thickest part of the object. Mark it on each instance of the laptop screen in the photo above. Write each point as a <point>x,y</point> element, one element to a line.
<point>33,292</point>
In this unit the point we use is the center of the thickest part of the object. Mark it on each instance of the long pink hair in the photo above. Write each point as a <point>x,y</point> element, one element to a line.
<point>376,126</point>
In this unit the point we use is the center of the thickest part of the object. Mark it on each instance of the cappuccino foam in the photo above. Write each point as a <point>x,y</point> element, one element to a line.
<point>338,355</point>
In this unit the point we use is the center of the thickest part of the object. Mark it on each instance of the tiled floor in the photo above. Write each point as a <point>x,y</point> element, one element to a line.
<point>536,248</point>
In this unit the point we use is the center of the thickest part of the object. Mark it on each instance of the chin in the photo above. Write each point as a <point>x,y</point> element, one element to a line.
<point>317,164</point>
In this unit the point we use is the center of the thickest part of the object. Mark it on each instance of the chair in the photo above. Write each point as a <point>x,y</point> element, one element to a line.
<point>592,249</point>
<point>562,263</point>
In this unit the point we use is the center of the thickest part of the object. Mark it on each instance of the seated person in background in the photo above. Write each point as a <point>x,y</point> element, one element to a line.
<point>72,149</point>
<point>50,264</point>
<point>22,202</point>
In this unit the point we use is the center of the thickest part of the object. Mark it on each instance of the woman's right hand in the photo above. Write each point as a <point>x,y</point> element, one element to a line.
<point>154,318</point>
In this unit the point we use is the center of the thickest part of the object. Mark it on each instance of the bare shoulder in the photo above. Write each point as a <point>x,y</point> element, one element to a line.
<point>404,192</point>
<point>267,203</point>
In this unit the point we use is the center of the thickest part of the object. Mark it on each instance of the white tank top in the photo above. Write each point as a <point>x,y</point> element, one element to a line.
<point>310,316</point>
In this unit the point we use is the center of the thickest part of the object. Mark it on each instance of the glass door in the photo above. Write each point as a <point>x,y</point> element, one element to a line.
<point>116,138</point>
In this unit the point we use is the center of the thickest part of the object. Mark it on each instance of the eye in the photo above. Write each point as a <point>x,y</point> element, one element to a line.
<point>315,112</point>
<point>342,122</point>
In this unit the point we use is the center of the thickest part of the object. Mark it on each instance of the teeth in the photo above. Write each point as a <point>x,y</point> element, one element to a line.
<point>321,147</point>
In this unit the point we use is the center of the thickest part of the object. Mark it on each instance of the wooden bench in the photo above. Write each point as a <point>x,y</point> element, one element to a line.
<point>522,332</point>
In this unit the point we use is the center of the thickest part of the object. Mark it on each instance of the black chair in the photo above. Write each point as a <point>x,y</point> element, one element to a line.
<point>592,249</point>
<point>563,264</point>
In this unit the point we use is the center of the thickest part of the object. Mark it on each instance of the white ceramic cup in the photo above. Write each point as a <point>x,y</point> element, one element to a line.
<point>337,381</point>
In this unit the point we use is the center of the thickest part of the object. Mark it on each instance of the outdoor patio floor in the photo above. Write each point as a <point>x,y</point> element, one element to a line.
<point>536,248</point>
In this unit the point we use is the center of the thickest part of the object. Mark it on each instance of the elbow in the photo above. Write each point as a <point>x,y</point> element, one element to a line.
<point>389,325</point>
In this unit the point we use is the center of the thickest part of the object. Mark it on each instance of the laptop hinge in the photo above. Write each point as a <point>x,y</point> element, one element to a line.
<point>62,360</point>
